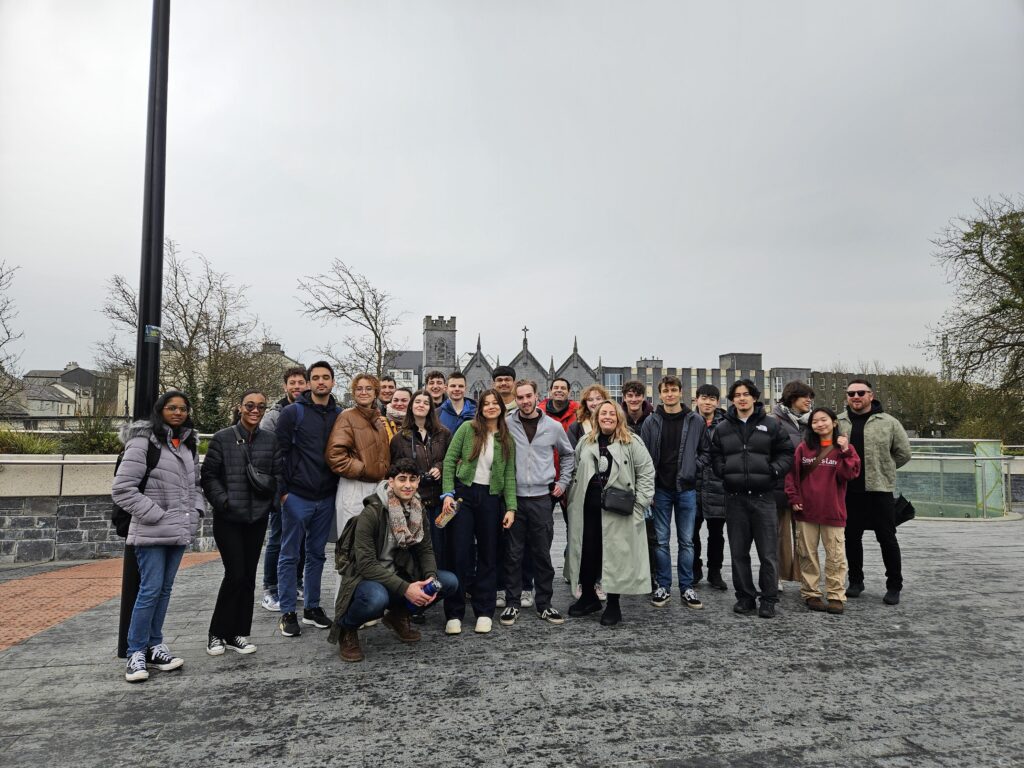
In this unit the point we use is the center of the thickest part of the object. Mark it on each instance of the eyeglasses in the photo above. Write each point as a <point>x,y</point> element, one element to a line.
<point>261,407</point>
<point>364,389</point>
<point>176,408</point>
<point>856,392</point>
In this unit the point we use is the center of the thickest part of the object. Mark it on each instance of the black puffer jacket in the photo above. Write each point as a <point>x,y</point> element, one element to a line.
<point>750,457</point>
<point>224,479</point>
<point>406,445</point>
<point>710,491</point>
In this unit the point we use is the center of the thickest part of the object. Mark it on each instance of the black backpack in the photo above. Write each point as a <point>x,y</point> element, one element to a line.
<point>120,518</point>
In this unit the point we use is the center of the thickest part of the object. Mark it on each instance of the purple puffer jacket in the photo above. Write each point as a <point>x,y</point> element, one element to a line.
<point>168,512</point>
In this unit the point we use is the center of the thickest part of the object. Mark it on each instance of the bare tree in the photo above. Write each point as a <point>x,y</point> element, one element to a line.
<point>341,294</point>
<point>212,346</point>
<point>981,337</point>
<point>10,381</point>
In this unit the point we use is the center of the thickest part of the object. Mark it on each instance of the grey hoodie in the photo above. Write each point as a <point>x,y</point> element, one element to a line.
<point>535,462</point>
<point>168,512</point>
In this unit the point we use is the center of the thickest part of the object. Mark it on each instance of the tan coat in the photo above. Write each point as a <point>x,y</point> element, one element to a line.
<point>625,568</point>
<point>359,447</point>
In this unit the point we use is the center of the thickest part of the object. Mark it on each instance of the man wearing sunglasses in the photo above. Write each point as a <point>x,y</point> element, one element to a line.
<point>883,446</point>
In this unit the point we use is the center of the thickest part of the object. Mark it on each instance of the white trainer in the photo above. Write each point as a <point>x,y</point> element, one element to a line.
<point>483,625</point>
<point>453,627</point>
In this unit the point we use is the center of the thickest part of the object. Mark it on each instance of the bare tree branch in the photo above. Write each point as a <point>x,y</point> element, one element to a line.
<point>10,381</point>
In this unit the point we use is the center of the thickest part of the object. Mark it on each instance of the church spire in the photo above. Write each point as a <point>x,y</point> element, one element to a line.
<point>575,347</point>
<point>478,343</point>
<point>551,367</point>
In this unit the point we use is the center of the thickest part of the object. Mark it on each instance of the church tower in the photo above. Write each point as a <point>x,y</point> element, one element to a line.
<point>439,344</point>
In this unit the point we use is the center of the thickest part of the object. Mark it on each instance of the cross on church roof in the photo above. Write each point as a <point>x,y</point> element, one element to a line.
<point>525,329</point>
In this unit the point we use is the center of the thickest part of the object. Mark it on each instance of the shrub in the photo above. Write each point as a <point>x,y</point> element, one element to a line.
<point>26,442</point>
<point>93,436</point>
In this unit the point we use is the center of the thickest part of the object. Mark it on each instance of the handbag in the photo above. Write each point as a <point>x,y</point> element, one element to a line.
<point>263,484</point>
<point>904,510</point>
<point>615,499</point>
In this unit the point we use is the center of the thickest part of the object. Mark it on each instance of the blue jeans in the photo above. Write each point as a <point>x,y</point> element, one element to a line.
<point>685,505</point>
<point>310,519</point>
<point>157,567</point>
<point>371,598</point>
<point>273,553</point>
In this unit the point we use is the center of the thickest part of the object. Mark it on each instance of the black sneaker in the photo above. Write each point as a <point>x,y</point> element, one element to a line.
<point>744,607</point>
<point>766,610</point>
<point>289,625</point>
<point>855,589</point>
<point>660,598</point>
<point>690,599</point>
<point>892,596</point>
<point>715,580</point>
<point>418,618</point>
<point>509,616</point>
<point>316,617</point>
<point>214,646</point>
<point>135,670</point>
<point>240,644</point>
<point>551,616</point>
<point>160,657</point>
<point>585,606</point>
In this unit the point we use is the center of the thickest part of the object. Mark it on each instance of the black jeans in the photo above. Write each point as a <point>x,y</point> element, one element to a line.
<point>533,531</point>
<point>591,551</point>
<point>473,550</point>
<point>877,511</point>
<point>716,542</point>
<point>752,518</point>
<point>239,545</point>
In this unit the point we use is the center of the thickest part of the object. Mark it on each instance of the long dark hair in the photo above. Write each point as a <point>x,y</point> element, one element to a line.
<point>480,427</point>
<point>431,422</point>
<point>160,427</point>
<point>811,438</point>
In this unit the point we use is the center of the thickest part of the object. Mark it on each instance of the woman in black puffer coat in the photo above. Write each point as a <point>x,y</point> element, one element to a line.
<point>240,513</point>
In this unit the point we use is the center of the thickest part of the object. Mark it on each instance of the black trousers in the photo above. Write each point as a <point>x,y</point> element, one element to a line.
<point>876,511</point>
<point>591,552</point>
<point>752,518</point>
<point>239,545</point>
<point>472,549</point>
<point>533,532</point>
<point>716,542</point>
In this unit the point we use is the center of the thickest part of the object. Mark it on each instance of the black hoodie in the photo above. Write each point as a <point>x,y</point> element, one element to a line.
<point>857,422</point>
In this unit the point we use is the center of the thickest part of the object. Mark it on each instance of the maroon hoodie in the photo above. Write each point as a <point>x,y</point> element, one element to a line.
<point>822,493</point>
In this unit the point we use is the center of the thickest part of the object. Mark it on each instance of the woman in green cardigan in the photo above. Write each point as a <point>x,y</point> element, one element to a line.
<point>479,470</point>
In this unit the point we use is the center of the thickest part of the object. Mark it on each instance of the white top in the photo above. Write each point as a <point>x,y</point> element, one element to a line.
<point>484,462</point>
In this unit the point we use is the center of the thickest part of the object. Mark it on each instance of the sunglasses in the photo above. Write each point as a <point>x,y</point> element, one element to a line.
<point>856,392</point>
<point>261,407</point>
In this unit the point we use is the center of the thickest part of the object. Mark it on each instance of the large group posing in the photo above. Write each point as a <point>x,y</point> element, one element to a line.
<point>434,497</point>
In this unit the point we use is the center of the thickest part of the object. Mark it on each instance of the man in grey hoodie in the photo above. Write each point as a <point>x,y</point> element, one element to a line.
<point>539,438</point>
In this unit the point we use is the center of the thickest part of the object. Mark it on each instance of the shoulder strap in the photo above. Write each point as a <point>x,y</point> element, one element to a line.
<point>806,469</point>
<point>152,459</point>
<point>300,413</point>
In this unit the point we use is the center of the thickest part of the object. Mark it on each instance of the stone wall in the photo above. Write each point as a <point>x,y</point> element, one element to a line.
<point>42,528</point>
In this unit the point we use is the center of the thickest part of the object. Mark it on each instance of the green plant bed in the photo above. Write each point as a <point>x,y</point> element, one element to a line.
<point>24,442</point>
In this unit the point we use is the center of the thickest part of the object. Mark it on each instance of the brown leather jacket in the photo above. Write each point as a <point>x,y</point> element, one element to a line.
<point>359,447</point>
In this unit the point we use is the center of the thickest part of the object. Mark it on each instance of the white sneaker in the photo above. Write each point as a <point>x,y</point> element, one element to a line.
<point>370,623</point>
<point>270,602</point>
<point>526,599</point>
<point>499,600</point>
<point>453,627</point>
<point>483,625</point>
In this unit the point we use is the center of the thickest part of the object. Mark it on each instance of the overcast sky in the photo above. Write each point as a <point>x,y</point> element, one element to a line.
<point>670,179</point>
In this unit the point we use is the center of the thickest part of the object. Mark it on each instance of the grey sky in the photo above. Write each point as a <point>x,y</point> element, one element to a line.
<point>659,178</point>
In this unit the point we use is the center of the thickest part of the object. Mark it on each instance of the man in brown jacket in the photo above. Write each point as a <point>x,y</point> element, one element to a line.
<point>358,451</point>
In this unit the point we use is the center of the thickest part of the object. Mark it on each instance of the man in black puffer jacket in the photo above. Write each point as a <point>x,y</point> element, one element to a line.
<point>750,452</point>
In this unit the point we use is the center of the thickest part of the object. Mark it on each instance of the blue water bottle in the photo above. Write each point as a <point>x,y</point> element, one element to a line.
<point>431,588</point>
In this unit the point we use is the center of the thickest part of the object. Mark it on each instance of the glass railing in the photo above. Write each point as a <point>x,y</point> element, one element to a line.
<point>957,479</point>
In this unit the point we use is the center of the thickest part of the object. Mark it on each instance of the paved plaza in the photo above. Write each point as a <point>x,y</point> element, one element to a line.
<point>936,681</point>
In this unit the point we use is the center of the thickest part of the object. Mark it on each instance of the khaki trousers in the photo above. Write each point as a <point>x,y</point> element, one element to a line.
<point>833,537</point>
<point>789,565</point>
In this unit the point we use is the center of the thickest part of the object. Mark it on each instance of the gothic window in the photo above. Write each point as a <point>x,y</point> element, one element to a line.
<point>441,351</point>
<point>575,389</point>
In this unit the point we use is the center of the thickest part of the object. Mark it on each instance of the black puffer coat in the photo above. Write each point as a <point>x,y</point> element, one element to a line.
<point>750,457</point>
<point>427,456</point>
<point>710,491</point>
<point>224,479</point>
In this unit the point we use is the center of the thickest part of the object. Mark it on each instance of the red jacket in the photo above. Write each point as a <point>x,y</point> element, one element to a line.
<point>566,418</point>
<point>822,493</point>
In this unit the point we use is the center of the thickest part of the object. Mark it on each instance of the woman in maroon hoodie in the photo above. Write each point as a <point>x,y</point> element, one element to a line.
<point>816,487</point>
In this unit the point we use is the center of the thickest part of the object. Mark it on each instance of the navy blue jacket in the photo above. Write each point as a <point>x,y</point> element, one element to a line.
<point>302,441</point>
<point>689,446</point>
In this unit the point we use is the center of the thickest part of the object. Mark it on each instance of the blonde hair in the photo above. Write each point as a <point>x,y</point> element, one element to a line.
<point>622,433</point>
<point>583,411</point>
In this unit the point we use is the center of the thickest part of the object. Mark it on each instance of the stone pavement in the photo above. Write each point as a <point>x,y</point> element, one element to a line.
<point>936,681</point>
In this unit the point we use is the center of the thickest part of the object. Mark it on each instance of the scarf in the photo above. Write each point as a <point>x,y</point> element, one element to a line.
<point>798,421</point>
<point>396,416</point>
<point>406,520</point>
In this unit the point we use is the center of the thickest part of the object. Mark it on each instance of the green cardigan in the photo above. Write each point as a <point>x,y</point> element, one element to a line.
<point>457,464</point>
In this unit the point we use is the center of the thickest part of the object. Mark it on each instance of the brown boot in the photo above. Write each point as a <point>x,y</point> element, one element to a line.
<point>398,620</point>
<point>348,645</point>
<point>835,606</point>
<point>815,604</point>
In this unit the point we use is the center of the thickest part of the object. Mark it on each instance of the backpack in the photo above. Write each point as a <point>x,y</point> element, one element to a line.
<point>120,518</point>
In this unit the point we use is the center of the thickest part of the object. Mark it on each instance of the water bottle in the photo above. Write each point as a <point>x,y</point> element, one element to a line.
<point>445,517</point>
<point>431,588</point>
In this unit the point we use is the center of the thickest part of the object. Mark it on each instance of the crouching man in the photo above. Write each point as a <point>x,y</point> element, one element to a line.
<point>385,558</point>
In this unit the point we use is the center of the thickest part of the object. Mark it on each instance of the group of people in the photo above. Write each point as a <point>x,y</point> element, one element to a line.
<point>434,497</point>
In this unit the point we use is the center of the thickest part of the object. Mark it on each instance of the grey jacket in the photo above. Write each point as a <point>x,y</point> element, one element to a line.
<point>689,446</point>
<point>269,421</point>
<point>535,462</point>
<point>169,511</point>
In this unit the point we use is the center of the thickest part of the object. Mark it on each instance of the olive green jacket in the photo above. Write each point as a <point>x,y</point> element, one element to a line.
<point>886,449</point>
<point>457,464</point>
